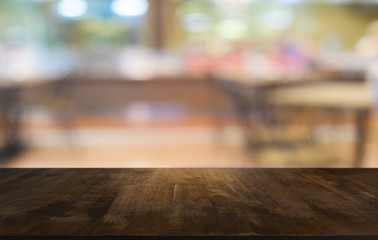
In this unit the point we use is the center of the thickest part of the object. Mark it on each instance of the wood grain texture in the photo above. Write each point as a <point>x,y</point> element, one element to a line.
<point>189,202</point>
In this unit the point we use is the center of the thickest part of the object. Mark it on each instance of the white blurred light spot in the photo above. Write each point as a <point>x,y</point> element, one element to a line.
<point>278,19</point>
<point>339,1</point>
<point>196,22</point>
<point>232,28</point>
<point>129,7</point>
<point>21,64</point>
<point>137,63</point>
<point>138,69</point>
<point>237,1</point>
<point>291,2</point>
<point>72,8</point>
<point>138,113</point>
<point>234,4</point>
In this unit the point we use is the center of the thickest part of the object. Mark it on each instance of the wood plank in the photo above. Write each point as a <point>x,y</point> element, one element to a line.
<point>254,203</point>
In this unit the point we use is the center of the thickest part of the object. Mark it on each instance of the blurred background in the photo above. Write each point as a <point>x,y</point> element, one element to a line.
<point>188,83</point>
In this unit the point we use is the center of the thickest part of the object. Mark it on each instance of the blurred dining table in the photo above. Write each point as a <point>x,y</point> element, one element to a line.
<point>324,94</point>
<point>318,91</point>
<point>331,96</point>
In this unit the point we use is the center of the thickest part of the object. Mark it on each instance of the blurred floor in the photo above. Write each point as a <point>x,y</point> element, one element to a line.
<point>147,146</point>
<point>195,142</point>
<point>129,157</point>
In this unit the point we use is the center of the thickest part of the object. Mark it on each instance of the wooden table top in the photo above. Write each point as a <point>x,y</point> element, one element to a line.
<point>192,203</point>
<point>332,95</point>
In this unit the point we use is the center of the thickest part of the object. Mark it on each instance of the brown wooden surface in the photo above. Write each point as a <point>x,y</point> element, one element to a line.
<point>189,202</point>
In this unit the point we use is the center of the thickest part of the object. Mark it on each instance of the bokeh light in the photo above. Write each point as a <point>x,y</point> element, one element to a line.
<point>129,7</point>
<point>277,19</point>
<point>72,8</point>
<point>232,28</point>
<point>196,22</point>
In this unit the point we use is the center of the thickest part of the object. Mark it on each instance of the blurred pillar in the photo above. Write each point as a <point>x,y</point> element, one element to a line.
<point>162,27</point>
<point>156,24</point>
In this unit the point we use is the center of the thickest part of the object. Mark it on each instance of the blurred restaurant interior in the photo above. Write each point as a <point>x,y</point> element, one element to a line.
<point>188,83</point>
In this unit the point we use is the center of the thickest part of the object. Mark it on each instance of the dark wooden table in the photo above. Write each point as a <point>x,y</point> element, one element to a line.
<point>189,203</point>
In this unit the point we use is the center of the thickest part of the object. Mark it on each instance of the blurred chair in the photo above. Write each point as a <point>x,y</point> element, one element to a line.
<point>10,113</point>
<point>56,98</point>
